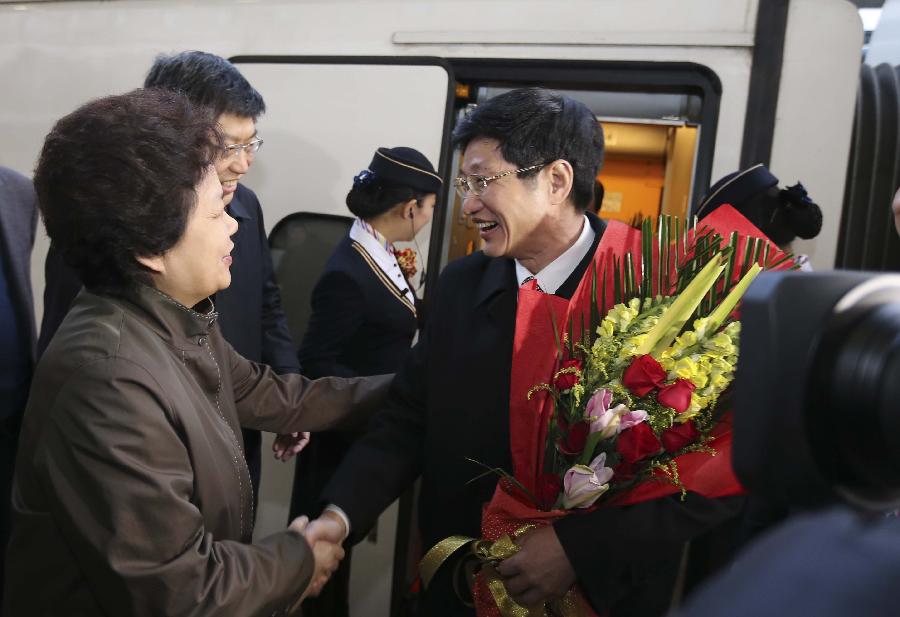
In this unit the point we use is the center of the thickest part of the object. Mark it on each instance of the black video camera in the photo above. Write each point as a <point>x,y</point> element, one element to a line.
<point>817,408</point>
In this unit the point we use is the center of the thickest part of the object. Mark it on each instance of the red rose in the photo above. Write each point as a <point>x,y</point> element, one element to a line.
<point>676,395</point>
<point>637,442</point>
<point>567,380</point>
<point>679,436</point>
<point>576,438</point>
<point>643,374</point>
<point>548,487</point>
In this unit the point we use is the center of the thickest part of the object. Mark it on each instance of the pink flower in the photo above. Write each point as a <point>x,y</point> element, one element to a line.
<point>627,418</point>
<point>583,484</point>
<point>609,422</point>
<point>599,403</point>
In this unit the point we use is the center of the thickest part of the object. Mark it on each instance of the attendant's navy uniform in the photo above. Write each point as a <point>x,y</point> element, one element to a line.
<point>363,323</point>
<point>364,312</point>
<point>365,315</point>
<point>250,313</point>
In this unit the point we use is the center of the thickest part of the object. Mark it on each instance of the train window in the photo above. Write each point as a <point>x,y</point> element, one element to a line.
<point>326,116</point>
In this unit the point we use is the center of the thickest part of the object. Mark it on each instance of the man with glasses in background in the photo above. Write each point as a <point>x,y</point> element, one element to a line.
<point>250,313</point>
<point>530,158</point>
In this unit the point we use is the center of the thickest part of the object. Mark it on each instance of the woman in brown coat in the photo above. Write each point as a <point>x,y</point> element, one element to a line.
<point>131,493</point>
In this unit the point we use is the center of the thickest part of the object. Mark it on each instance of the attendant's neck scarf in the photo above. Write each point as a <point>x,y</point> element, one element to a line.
<point>378,236</point>
<point>406,258</point>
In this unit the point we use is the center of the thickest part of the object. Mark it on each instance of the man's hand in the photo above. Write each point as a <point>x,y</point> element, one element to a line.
<point>328,527</point>
<point>289,445</point>
<point>539,571</point>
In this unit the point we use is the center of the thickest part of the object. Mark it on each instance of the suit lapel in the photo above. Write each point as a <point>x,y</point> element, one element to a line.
<point>497,292</point>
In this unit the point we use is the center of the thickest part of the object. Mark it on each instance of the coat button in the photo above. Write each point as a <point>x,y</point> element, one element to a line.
<point>200,341</point>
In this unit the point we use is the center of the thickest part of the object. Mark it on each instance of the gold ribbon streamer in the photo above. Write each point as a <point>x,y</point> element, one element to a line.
<point>489,554</point>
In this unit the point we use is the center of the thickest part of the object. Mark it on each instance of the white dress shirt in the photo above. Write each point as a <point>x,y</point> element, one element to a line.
<point>557,271</point>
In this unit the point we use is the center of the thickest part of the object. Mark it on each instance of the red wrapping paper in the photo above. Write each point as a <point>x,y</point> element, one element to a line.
<point>535,360</point>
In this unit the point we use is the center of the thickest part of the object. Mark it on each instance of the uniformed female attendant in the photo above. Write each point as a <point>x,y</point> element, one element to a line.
<point>364,311</point>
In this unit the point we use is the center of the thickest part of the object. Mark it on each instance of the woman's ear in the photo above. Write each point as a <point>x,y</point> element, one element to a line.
<point>408,209</point>
<point>154,263</point>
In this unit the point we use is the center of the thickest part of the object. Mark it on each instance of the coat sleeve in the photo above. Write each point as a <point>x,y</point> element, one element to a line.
<point>119,482</point>
<point>337,304</point>
<point>390,456</point>
<point>292,403</point>
<point>615,551</point>
<point>278,349</point>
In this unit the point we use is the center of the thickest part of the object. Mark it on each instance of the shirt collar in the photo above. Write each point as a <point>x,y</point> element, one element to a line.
<point>557,271</point>
<point>377,248</point>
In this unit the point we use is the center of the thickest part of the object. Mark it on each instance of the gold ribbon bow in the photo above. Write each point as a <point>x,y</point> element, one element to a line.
<point>489,553</point>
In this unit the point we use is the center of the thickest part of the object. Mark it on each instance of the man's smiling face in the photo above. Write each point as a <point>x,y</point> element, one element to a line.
<point>231,167</point>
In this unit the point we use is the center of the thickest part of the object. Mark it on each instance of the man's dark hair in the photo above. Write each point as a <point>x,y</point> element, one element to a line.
<point>116,180</point>
<point>207,80</point>
<point>534,126</point>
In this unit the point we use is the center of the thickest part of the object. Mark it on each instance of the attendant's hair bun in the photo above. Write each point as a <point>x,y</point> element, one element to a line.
<point>802,214</point>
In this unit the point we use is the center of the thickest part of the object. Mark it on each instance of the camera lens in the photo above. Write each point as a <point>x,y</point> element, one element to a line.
<point>853,415</point>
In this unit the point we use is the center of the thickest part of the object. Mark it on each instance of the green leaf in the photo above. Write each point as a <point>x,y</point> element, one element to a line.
<point>646,259</point>
<point>587,455</point>
<point>595,312</point>
<point>617,281</point>
<point>718,317</point>
<point>672,321</point>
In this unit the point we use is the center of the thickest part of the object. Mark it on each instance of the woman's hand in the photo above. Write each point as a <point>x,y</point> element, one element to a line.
<point>287,446</point>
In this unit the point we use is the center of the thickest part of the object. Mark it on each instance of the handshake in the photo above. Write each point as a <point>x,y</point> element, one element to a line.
<point>324,535</point>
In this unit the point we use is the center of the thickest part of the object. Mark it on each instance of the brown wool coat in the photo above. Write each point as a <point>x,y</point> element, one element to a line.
<point>131,493</point>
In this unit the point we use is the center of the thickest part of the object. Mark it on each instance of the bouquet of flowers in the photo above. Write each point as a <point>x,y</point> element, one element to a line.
<point>619,395</point>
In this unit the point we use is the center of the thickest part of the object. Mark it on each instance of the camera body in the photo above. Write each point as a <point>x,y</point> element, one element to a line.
<point>817,391</point>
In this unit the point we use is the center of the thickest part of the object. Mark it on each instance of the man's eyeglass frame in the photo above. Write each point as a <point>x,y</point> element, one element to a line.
<point>475,184</point>
<point>250,148</point>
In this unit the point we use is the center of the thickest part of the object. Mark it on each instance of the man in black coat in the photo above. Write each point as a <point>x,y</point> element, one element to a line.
<point>529,158</point>
<point>18,221</point>
<point>250,313</point>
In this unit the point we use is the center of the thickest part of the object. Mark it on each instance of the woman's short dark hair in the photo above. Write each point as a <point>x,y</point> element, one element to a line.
<point>116,180</point>
<point>368,200</point>
<point>534,126</point>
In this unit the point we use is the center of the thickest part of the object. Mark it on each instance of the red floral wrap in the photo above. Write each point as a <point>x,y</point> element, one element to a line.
<point>535,359</point>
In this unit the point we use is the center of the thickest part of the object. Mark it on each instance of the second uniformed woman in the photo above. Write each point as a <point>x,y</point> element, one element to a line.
<point>364,313</point>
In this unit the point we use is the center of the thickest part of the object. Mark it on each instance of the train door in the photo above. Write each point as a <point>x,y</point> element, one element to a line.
<point>325,117</point>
